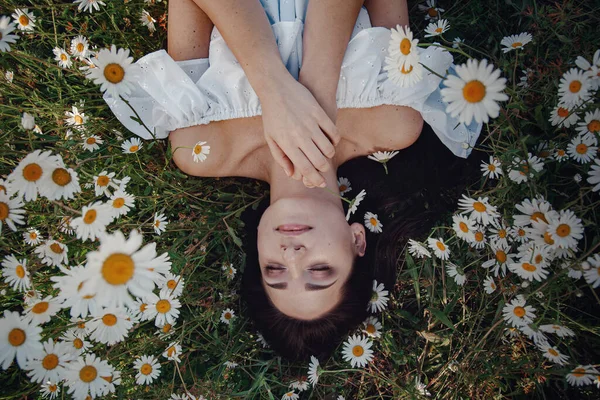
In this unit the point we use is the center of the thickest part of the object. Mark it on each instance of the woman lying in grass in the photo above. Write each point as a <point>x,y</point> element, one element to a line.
<point>286,92</point>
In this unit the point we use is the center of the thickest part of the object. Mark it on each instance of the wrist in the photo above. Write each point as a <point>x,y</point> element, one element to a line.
<point>269,79</point>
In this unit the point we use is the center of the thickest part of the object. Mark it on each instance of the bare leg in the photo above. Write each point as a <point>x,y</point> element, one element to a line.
<point>189,30</point>
<point>387,13</point>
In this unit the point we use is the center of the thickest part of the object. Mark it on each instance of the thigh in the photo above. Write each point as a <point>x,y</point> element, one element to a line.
<point>189,30</point>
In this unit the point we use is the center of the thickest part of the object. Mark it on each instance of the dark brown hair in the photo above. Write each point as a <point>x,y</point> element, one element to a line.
<point>424,181</point>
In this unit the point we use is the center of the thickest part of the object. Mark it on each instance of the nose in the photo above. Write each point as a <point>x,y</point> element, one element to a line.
<point>290,255</point>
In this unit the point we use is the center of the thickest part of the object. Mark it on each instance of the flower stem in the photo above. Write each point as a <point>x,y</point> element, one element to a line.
<point>138,119</point>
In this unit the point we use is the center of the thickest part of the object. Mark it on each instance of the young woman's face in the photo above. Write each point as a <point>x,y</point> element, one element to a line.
<point>306,250</point>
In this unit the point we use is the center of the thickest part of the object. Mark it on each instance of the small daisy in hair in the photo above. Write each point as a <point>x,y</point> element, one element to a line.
<point>343,185</point>
<point>372,222</point>
<point>383,157</point>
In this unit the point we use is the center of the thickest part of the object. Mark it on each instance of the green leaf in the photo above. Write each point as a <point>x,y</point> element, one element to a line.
<point>235,238</point>
<point>442,317</point>
<point>412,271</point>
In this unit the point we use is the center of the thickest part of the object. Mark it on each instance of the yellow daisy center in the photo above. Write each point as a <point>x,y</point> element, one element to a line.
<point>78,119</point>
<point>171,284</point>
<point>91,140</point>
<point>478,236</point>
<point>88,373</point>
<point>563,230</point>
<point>404,71</point>
<point>594,126</point>
<point>578,372</point>
<point>81,325</point>
<point>502,233</point>
<point>61,177</point>
<point>440,246</point>
<point>118,202</point>
<point>548,239</point>
<point>501,256</point>
<point>78,343</point>
<point>575,86</point>
<point>109,319</point>
<point>63,57</point>
<point>463,227</point>
<point>493,285</point>
<point>371,329</point>
<point>114,73</point>
<point>157,223</point>
<point>405,46</point>
<point>90,216</point>
<point>118,269</point>
<point>544,154</point>
<point>373,221</point>
<point>50,361</point>
<point>562,112</point>
<point>358,351</point>
<point>40,307</point>
<point>52,388</point>
<point>438,30</point>
<point>102,180</point>
<point>143,307</point>
<point>56,248</point>
<point>134,148</point>
<point>2,187</point>
<point>16,337</point>
<point>171,351</point>
<point>474,91</point>
<point>167,328</point>
<point>553,352</point>
<point>163,306</point>
<point>479,206</point>
<point>146,369</point>
<point>227,315</point>
<point>32,172</point>
<point>516,44</point>
<point>107,379</point>
<point>4,211</point>
<point>79,47</point>
<point>149,18</point>
<point>343,188</point>
<point>432,12</point>
<point>538,259</point>
<point>528,267</point>
<point>20,271</point>
<point>581,148</point>
<point>491,167</point>
<point>197,149</point>
<point>538,215</point>
<point>519,311</point>
<point>24,20</point>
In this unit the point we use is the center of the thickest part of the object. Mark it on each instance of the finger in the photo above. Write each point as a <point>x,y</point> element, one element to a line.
<point>306,183</point>
<point>329,128</point>
<point>314,155</point>
<point>324,144</point>
<point>280,157</point>
<point>304,167</point>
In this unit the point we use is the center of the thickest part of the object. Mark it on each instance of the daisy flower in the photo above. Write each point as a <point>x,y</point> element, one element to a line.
<point>70,294</point>
<point>92,143</point>
<point>104,182</point>
<point>499,233</point>
<point>582,375</point>
<point>25,20</point>
<point>357,350</point>
<point>79,47</point>
<point>592,275</point>
<point>313,371</point>
<point>172,352</point>
<point>160,223</point>
<point>41,311</point>
<point>52,252</point>
<point>261,339</point>
<point>383,156</point>
<point>553,354</point>
<point>84,377</point>
<point>229,270</point>
<point>559,330</point>
<point>227,315</point>
<point>89,5</point>
<point>590,123</point>
<point>354,203</point>
<point>489,285</point>
<point>371,327</point>
<point>230,364</point>
<point>403,75</point>
<point>437,28</point>
<point>164,308</point>
<point>32,237</point>
<point>421,388</point>
<point>379,298</point>
<point>403,48</point>
<point>439,248</point>
<point>93,221</point>
<point>49,390</point>
<point>63,183</point>
<point>573,88</point>
<point>416,249</point>
<point>594,175</point>
<point>300,385</point>
<point>110,326</point>
<point>372,222</point>
<point>493,169</point>
<point>33,169</point>
<point>527,269</point>
<point>6,27</point>
<point>522,170</point>
<point>27,121</point>
<point>174,284</point>
<point>566,230</point>
<point>290,396</point>
<point>50,364</point>
<point>464,227</point>
<point>517,313</point>
<point>474,91</point>
<point>501,259</point>
<point>148,21</point>
<point>119,269</point>
<point>120,203</point>
<point>534,333</point>
<point>138,310</point>
<point>63,58</point>
<point>11,212</point>
<point>562,116</point>
<point>114,72</point>
<point>76,342</point>
<point>19,339</point>
<point>431,11</point>
<point>456,272</point>
<point>534,210</point>
<point>457,42</point>
<point>514,42</point>
<point>200,151</point>
<point>131,146</point>
<point>75,118</point>
<point>65,225</point>
<point>343,185</point>
<point>148,369</point>
<point>583,148</point>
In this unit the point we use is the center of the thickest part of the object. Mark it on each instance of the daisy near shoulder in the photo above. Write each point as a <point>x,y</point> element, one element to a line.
<point>357,350</point>
<point>114,71</point>
<point>15,273</point>
<point>515,42</point>
<point>474,92</point>
<point>19,339</point>
<point>379,298</point>
<point>148,369</point>
<point>403,47</point>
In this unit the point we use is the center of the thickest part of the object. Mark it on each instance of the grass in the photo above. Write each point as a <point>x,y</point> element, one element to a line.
<point>451,337</point>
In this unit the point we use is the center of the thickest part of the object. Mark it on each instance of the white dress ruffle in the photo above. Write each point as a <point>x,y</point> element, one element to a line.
<point>176,94</point>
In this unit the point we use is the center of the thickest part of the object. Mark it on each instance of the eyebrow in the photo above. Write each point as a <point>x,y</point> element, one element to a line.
<point>309,286</point>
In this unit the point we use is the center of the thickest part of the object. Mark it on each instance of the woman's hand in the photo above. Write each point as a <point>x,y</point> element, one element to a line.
<point>298,131</point>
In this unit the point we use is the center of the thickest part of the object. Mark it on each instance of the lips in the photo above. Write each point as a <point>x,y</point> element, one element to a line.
<point>293,229</point>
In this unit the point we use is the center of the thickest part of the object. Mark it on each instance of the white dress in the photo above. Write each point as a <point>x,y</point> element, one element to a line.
<point>176,94</point>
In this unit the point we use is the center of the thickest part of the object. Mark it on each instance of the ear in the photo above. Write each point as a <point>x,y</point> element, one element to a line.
<point>360,241</point>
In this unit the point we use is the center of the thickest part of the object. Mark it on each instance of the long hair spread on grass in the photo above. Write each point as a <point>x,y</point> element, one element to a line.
<point>423,183</point>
